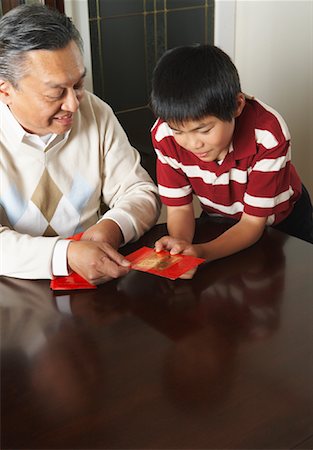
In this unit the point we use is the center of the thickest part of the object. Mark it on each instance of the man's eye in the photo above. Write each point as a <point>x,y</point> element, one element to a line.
<point>56,97</point>
<point>79,86</point>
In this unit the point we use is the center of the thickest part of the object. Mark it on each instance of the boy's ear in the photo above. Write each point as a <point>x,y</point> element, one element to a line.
<point>241,101</point>
<point>5,91</point>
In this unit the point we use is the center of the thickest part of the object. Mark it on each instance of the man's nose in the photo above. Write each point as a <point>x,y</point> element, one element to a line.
<point>71,101</point>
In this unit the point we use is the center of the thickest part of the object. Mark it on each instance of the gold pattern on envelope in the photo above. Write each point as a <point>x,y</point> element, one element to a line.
<point>157,261</point>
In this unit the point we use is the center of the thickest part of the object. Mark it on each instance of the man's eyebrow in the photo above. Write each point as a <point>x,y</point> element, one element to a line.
<point>53,85</point>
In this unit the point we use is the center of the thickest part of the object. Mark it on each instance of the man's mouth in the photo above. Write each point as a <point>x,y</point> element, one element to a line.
<point>65,119</point>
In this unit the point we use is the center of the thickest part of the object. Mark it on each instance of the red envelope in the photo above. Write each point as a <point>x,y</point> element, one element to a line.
<point>162,263</point>
<point>72,281</point>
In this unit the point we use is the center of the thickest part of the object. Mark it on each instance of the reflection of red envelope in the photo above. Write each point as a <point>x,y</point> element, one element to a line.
<point>72,281</point>
<point>162,263</point>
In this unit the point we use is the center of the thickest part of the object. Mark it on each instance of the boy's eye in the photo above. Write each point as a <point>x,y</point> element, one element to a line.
<point>207,130</point>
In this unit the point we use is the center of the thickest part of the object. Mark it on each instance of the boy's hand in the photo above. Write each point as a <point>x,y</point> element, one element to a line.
<point>175,246</point>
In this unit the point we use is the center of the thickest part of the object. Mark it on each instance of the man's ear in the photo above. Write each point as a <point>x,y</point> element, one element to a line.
<point>241,101</point>
<point>5,91</point>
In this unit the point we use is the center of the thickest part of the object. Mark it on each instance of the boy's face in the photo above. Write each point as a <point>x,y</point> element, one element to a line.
<point>208,139</point>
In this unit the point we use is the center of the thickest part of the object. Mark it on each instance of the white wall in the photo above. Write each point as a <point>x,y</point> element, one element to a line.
<point>77,10</point>
<point>274,57</point>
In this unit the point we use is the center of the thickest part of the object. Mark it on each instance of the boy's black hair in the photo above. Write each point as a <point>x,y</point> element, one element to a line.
<point>194,81</point>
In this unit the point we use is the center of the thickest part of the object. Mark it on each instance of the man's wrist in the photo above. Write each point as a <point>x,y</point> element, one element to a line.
<point>123,222</point>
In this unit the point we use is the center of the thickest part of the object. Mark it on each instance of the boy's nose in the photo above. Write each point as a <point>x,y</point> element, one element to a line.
<point>195,143</point>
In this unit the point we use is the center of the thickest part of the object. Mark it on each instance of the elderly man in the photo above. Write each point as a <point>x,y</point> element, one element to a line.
<point>63,153</point>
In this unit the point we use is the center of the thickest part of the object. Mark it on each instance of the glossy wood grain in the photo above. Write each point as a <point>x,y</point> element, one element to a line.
<point>222,361</point>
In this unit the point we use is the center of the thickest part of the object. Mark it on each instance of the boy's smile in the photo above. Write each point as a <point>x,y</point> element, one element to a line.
<point>208,138</point>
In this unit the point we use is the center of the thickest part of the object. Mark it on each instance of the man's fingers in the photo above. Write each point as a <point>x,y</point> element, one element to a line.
<point>113,255</point>
<point>97,262</point>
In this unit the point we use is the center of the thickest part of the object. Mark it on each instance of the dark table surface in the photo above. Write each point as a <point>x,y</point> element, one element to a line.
<point>222,361</point>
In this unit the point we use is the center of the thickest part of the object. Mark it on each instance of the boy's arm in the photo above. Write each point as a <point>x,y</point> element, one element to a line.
<point>240,236</point>
<point>181,222</point>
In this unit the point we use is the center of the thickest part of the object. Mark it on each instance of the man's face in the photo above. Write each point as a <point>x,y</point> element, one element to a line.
<point>47,97</point>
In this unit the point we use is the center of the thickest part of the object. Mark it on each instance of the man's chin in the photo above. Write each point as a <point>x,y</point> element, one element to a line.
<point>59,129</point>
<point>62,125</point>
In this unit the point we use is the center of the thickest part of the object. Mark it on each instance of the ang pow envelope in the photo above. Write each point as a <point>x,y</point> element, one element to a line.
<point>162,263</point>
<point>72,281</point>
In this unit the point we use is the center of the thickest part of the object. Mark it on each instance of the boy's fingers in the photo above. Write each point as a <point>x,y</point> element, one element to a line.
<point>162,244</point>
<point>177,248</point>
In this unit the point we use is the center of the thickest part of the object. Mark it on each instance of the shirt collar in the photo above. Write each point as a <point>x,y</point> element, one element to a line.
<point>20,134</point>
<point>244,143</point>
<point>11,123</point>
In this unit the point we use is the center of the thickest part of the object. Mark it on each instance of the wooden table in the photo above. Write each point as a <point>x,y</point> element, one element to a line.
<point>223,361</point>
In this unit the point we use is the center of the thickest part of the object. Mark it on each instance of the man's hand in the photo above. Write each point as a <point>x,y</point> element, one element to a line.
<point>97,262</point>
<point>106,231</point>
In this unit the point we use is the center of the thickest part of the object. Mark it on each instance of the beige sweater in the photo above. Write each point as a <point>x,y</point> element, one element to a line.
<point>45,195</point>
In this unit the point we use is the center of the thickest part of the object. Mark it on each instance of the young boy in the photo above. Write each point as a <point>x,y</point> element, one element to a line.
<point>230,150</point>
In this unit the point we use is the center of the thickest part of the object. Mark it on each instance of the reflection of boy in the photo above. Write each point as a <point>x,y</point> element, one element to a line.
<point>232,151</point>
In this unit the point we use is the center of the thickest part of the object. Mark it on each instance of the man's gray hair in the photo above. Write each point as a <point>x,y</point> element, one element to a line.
<point>32,27</point>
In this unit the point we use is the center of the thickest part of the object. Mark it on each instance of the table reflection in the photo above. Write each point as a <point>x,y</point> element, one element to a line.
<point>145,362</point>
<point>243,293</point>
<point>208,318</point>
<point>56,356</point>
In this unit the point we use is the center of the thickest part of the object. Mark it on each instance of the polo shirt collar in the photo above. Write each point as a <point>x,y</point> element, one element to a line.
<point>244,143</point>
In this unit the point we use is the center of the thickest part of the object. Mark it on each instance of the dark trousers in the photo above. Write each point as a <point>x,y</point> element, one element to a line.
<point>300,222</point>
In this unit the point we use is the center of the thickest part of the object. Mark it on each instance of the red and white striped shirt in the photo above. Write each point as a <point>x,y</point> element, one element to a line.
<point>255,177</point>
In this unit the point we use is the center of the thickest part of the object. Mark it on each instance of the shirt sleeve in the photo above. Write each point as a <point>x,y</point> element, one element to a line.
<point>270,189</point>
<point>25,256</point>
<point>59,258</point>
<point>128,190</point>
<point>174,186</point>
